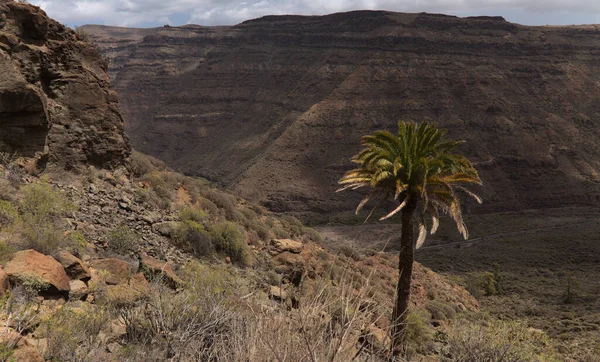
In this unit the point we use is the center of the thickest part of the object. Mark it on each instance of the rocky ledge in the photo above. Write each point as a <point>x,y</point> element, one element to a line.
<point>55,99</point>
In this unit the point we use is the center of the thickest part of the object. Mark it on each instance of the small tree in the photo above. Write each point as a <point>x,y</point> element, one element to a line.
<point>415,169</point>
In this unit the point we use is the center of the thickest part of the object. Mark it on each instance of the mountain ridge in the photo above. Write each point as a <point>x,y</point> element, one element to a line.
<point>291,96</point>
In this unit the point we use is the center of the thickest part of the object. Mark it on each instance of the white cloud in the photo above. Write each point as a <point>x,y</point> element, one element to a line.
<point>225,12</point>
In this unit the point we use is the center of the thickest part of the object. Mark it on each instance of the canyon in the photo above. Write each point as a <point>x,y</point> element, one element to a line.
<point>273,108</point>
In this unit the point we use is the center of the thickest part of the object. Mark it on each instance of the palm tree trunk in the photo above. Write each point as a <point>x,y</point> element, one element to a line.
<point>405,267</point>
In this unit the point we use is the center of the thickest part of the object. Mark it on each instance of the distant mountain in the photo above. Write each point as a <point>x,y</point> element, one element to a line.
<point>275,107</point>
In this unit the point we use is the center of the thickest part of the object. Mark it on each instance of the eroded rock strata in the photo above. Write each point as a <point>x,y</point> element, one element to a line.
<point>275,107</point>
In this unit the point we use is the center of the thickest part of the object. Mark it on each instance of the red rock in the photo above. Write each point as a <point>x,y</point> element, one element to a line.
<point>293,246</point>
<point>74,267</point>
<point>139,283</point>
<point>119,271</point>
<point>78,290</point>
<point>162,269</point>
<point>31,264</point>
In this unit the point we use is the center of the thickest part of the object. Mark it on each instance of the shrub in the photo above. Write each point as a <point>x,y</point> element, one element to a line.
<point>7,191</point>
<point>140,164</point>
<point>496,341</point>
<point>41,201</point>
<point>292,224</point>
<point>41,225</point>
<point>440,310</point>
<point>6,251</point>
<point>223,201</point>
<point>229,240</point>
<point>34,285</point>
<point>122,240</point>
<point>193,238</point>
<point>418,333</point>
<point>210,207</point>
<point>482,284</point>
<point>280,232</point>
<point>8,214</point>
<point>349,251</point>
<point>193,214</point>
<point>262,231</point>
<point>73,333</point>
<point>310,234</point>
<point>162,189</point>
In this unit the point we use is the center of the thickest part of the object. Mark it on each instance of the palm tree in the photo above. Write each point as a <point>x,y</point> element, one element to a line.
<point>416,170</point>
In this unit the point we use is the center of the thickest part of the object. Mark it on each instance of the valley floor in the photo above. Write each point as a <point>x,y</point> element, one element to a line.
<point>537,266</point>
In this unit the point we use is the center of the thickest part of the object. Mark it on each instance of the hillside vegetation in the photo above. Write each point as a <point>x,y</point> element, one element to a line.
<point>240,283</point>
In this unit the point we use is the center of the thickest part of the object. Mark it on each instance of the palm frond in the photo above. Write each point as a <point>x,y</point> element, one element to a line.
<point>395,211</point>
<point>416,163</point>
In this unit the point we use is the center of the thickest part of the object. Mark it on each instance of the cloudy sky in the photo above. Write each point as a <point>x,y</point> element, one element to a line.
<point>144,13</point>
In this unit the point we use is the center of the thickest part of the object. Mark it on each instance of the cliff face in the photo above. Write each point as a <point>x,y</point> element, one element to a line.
<point>275,107</point>
<point>55,101</point>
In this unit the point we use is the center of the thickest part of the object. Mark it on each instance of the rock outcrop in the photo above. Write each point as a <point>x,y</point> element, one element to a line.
<point>29,266</point>
<point>55,100</point>
<point>275,107</point>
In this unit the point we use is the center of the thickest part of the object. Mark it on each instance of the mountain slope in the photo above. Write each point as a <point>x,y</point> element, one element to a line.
<point>275,107</point>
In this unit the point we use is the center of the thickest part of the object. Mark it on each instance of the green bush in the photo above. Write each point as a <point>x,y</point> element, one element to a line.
<point>310,234</point>
<point>280,232</point>
<point>419,333</point>
<point>482,284</point>
<point>349,251</point>
<point>8,214</point>
<point>7,191</point>
<point>193,238</point>
<point>73,333</point>
<point>162,189</point>
<point>210,207</point>
<point>223,201</point>
<point>140,164</point>
<point>41,225</point>
<point>34,285</point>
<point>228,239</point>
<point>193,214</point>
<point>262,231</point>
<point>292,224</point>
<point>40,200</point>
<point>6,251</point>
<point>496,341</point>
<point>122,240</point>
<point>440,310</point>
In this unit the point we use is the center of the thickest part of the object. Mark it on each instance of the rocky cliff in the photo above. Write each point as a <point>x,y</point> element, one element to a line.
<point>55,101</point>
<point>275,107</point>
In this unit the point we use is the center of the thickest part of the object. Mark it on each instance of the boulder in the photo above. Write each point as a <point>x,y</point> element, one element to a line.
<point>29,264</point>
<point>74,267</point>
<point>118,271</point>
<point>283,245</point>
<point>161,269</point>
<point>278,293</point>
<point>139,283</point>
<point>78,290</point>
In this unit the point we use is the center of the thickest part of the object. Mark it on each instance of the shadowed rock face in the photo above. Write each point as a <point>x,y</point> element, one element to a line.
<point>55,101</point>
<point>275,107</point>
